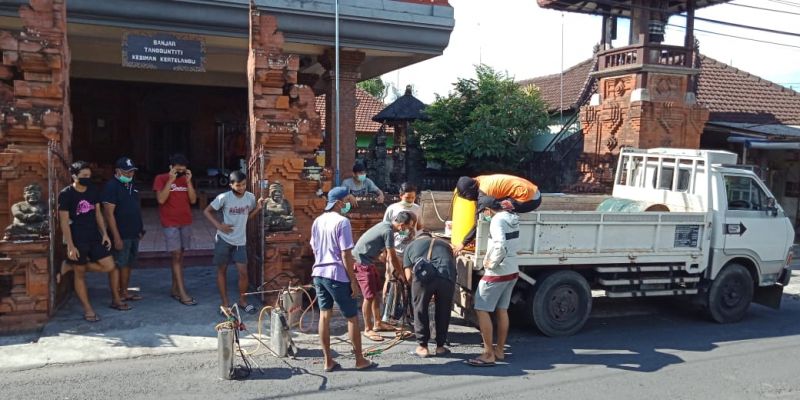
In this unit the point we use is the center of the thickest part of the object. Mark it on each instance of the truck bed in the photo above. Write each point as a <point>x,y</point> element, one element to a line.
<point>592,238</point>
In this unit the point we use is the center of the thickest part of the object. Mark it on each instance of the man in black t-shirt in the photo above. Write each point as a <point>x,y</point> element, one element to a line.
<point>124,216</point>
<point>84,232</point>
<point>441,286</point>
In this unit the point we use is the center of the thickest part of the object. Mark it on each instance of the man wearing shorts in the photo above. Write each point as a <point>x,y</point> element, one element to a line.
<point>237,206</point>
<point>84,231</point>
<point>501,271</point>
<point>175,194</point>
<point>334,277</point>
<point>366,252</point>
<point>124,215</point>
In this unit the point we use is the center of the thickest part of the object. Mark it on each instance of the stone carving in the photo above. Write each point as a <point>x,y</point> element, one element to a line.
<point>279,214</point>
<point>30,216</point>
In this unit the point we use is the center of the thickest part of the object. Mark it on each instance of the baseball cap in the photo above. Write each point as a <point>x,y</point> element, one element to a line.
<point>485,202</point>
<point>336,194</point>
<point>126,164</point>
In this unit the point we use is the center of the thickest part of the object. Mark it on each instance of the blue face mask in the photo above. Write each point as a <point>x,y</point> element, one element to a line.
<point>403,234</point>
<point>486,218</point>
<point>361,177</point>
<point>125,179</point>
<point>346,209</point>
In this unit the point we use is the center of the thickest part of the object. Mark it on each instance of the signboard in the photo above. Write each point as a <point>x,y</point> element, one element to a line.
<point>687,235</point>
<point>164,51</point>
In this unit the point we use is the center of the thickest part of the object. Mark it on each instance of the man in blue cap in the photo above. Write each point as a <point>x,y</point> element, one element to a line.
<point>124,215</point>
<point>334,276</point>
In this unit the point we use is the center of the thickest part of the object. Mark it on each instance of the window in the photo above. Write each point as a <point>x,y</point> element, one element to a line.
<point>744,193</point>
<point>667,173</point>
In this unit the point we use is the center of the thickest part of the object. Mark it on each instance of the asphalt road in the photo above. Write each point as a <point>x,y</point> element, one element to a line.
<point>659,351</point>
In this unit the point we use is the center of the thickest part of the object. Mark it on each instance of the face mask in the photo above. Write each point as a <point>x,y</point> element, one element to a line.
<point>406,204</point>
<point>485,218</point>
<point>346,209</point>
<point>84,181</point>
<point>124,179</point>
<point>403,234</point>
<point>361,178</point>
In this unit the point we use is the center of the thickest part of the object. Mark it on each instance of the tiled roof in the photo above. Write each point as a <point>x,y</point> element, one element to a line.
<point>366,108</point>
<point>577,86</point>
<point>731,95</point>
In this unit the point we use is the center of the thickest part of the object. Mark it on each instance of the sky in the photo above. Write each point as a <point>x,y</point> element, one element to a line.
<point>525,41</point>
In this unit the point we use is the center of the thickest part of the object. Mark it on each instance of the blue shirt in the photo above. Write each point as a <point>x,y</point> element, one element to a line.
<point>127,210</point>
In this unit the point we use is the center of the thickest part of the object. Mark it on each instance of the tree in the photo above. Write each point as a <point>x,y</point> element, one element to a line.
<point>486,124</point>
<point>374,86</point>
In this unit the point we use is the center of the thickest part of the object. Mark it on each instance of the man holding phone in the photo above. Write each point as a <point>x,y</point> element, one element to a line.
<point>175,194</point>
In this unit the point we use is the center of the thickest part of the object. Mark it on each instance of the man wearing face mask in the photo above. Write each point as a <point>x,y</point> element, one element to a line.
<point>84,231</point>
<point>175,194</point>
<point>408,196</point>
<point>359,185</point>
<point>124,215</point>
<point>237,206</point>
<point>370,245</point>
<point>334,276</point>
<point>501,271</point>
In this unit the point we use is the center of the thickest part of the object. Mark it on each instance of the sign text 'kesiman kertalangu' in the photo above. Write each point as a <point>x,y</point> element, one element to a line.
<point>166,51</point>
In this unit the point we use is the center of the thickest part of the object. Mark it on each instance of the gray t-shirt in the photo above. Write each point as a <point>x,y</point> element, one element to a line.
<point>235,211</point>
<point>360,188</point>
<point>372,243</point>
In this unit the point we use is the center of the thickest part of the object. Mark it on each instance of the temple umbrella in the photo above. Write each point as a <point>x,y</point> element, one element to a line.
<point>400,114</point>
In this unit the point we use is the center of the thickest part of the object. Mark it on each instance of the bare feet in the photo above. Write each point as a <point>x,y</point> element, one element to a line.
<point>422,352</point>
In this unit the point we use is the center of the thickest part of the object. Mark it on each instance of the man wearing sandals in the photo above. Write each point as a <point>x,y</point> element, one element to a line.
<point>366,252</point>
<point>334,277</point>
<point>175,194</point>
<point>84,231</point>
<point>440,255</point>
<point>124,215</point>
<point>501,271</point>
<point>237,206</point>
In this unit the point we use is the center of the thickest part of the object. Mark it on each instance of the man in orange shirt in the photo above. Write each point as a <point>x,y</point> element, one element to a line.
<point>514,193</point>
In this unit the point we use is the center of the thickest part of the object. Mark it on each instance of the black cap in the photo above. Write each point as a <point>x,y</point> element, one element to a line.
<point>126,164</point>
<point>467,188</point>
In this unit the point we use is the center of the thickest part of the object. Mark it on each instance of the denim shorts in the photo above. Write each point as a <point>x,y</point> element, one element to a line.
<point>330,291</point>
<point>225,253</point>
<point>127,256</point>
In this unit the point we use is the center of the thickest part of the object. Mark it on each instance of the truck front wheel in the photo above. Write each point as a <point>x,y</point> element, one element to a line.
<point>561,303</point>
<point>730,294</point>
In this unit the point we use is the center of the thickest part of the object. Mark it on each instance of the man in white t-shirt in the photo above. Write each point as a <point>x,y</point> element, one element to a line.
<point>237,206</point>
<point>408,196</point>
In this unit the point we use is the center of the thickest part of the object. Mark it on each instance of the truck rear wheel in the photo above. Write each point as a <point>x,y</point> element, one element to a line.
<point>730,294</point>
<point>561,303</point>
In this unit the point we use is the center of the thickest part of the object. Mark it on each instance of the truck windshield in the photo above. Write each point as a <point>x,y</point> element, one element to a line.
<point>744,193</point>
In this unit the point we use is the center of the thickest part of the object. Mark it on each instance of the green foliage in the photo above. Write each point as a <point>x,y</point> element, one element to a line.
<point>374,86</point>
<point>486,124</point>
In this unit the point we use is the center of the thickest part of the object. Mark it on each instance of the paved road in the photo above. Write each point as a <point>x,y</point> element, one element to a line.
<point>660,352</point>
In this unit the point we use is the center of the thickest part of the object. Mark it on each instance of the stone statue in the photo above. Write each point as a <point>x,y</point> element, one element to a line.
<point>279,216</point>
<point>30,216</point>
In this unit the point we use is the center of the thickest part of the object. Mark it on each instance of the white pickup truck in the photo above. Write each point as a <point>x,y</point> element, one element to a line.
<point>679,223</point>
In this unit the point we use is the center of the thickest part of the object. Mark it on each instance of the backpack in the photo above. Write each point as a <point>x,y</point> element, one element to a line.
<point>424,271</point>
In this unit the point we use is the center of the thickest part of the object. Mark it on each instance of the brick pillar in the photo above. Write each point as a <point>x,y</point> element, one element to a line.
<point>349,75</point>
<point>641,110</point>
<point>34,114</point>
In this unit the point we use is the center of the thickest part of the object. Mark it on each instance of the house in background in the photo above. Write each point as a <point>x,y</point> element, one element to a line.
<point>751,116</point>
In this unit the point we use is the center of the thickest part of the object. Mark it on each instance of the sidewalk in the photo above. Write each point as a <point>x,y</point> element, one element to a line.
<point>156,325</point>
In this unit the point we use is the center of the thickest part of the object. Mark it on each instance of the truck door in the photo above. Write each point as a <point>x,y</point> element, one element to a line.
<point>748,226</point>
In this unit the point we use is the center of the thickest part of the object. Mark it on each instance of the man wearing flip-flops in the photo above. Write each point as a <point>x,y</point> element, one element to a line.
<point>237,206</point>
<point>334,277</point>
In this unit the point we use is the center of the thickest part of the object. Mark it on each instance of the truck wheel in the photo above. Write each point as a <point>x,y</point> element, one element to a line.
<point>730,294</point>
<point>561,303</point>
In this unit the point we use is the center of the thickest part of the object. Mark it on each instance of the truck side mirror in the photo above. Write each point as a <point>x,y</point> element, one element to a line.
<point>772,208</point>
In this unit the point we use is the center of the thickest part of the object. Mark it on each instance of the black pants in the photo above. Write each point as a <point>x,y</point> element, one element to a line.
<point>526,206</point>
<point>421,297</point>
